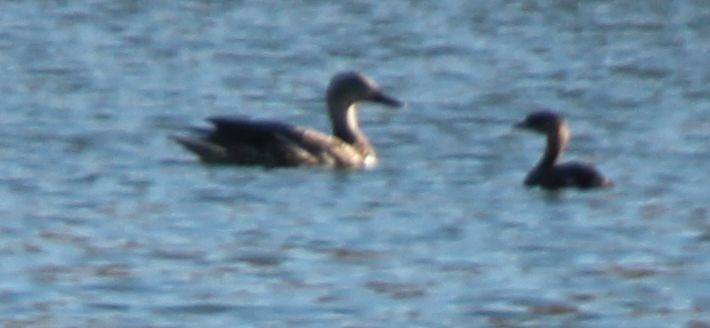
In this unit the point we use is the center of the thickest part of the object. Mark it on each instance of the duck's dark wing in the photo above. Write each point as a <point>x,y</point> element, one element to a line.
<point>237,130</point>
<point>267,143</point>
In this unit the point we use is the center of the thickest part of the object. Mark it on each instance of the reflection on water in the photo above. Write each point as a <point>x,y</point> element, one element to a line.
<point>106,222</point>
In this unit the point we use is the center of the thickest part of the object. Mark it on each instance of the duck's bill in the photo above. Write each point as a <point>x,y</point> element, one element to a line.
<point>386,100</point>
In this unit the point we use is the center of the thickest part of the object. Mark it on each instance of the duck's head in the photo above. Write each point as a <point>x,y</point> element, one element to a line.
<point>347,88</point>
<point>545,122</point>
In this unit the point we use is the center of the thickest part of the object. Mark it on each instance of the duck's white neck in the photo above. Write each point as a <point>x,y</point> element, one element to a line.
<point>343,117</point>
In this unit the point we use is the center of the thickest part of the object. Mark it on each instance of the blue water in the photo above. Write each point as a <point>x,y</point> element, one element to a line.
<point>107,223</point>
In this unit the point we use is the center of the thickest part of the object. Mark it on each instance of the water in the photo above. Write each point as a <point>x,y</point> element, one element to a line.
<point>106,222</point>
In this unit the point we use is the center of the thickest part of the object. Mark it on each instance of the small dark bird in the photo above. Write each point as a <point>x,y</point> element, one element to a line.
<point>275,144</point>
<point>548,174</point>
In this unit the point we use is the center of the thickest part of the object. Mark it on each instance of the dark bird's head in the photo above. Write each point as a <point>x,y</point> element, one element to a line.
<point>545,122</point>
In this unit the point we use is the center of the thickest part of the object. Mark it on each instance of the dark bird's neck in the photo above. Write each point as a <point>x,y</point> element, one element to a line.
<point>556,144</point>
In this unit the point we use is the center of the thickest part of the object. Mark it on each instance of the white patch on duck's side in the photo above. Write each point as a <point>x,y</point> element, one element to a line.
<point>369,161</point>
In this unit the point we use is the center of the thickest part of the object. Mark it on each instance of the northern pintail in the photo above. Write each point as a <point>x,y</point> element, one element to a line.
<point>270,143</point>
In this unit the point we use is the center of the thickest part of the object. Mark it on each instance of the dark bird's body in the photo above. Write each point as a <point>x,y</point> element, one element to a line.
<point>574,174</point>
<point>275,144</point>
<point>548,174</point>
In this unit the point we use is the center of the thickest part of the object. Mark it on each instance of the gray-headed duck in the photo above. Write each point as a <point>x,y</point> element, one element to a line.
<point>273,144</point>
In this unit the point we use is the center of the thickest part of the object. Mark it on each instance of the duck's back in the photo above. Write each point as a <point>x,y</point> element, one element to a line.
<point>268,143</point>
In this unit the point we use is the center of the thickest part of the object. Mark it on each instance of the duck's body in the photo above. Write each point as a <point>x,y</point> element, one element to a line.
<point>269,143</point>
<point>548,174</point>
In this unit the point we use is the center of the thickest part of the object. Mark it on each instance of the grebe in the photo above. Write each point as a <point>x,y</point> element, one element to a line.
<point>548,174</point>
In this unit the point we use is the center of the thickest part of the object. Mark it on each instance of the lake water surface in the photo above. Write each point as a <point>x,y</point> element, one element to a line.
<point>105,222</point>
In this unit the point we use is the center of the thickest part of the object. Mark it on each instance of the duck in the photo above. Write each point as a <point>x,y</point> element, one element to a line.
<point>548,173</point>
<point>247,142</point>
